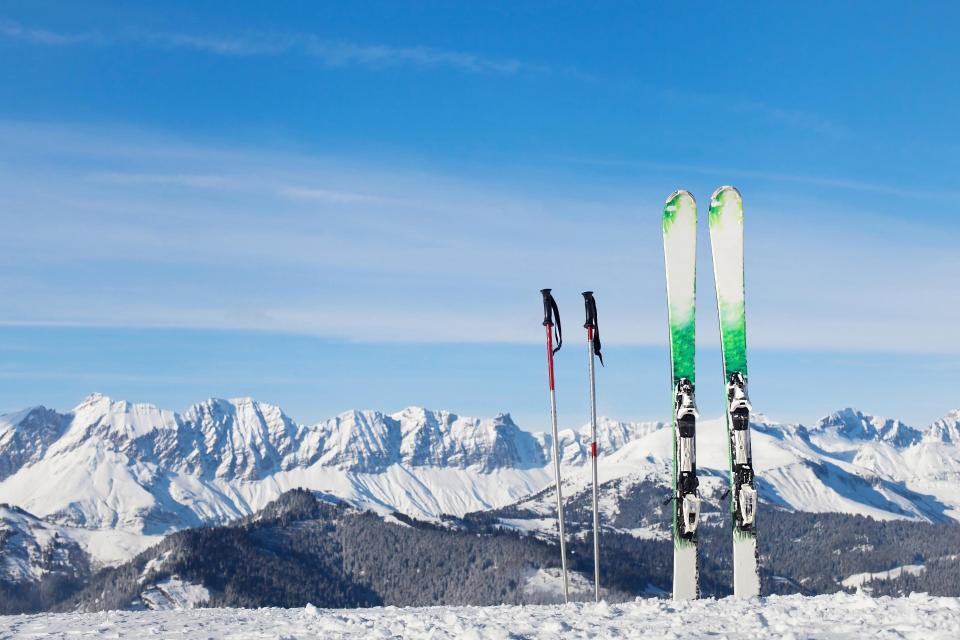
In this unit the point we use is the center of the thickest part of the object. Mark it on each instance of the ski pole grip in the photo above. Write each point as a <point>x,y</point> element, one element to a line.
<point>593,330</point>
<point>548,304</point>
<point>551,317</point>
<point>590,306</point>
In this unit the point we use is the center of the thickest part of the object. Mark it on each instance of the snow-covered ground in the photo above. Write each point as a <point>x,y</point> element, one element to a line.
<point>788,617</point>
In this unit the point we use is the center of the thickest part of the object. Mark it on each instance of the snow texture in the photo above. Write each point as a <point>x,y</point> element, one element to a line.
<point>173,593</point>
<point>547,585</point>
<point>838,616</point>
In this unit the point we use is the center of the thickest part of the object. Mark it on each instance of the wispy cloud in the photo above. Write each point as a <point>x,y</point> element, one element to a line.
<point>250,44</point>
<point>229,183</point>
<point>794,118</point>
<point>330,52</point>
<point>343,53</point>
<point>200,181</point>
<point>906,191</point>
<point>332,196</point>
<point>16,31</point>
<point>226,238</point>
<point>337,53</point>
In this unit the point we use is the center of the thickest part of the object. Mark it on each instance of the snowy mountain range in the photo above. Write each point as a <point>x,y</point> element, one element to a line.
<point>122,475</point>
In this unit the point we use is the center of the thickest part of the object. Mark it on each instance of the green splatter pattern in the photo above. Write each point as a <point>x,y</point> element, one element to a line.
<point>679,211</point>
<point>726,234</point>
<point>682,351</point>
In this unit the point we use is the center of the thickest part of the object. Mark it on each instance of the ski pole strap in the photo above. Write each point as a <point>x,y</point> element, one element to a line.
<point>551,313</point>
<point>591,306</point>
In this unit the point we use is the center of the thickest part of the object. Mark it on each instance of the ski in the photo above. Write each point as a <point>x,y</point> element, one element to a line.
<point>726,242</point>
<point>680,252</point>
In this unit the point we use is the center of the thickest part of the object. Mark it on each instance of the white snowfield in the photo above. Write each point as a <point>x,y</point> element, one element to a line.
<point>850,617</point>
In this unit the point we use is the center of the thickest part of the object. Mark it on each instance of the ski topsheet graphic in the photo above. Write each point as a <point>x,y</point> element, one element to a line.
<point>680,251</point>
<point>726,241</point>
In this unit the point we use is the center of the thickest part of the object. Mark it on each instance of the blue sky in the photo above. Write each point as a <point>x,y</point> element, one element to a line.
<point>338,205</point>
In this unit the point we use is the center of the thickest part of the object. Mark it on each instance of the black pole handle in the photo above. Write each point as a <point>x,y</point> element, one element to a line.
<point>551,316</point>
<point>590,304</point>
<point>591,307</point>
<point>548,304</point>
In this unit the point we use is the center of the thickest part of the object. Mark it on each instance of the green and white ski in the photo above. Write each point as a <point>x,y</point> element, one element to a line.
<point>726,241</point>
<point>680,255</point>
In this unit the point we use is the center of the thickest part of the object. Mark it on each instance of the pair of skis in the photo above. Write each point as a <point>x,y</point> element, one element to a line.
<point>680,250</point>
<point>551,320</point>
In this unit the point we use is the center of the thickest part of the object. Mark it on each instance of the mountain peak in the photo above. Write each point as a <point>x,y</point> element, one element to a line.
<point>946,429</point>
<point>856,425</point>
<point>414,412</point>
<point>140,468</point>
<point>117,421</point>
<point>25,437</point>
<point>93,399</point>
<point>442,438</point>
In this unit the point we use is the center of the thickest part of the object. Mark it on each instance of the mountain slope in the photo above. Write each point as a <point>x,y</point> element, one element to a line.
<point>830,468</point>
<point>135,468</point>
<point>300,549</point>
<point>303,548</point>
<point>139,468</point>
<point>25,437</point>
<point>39,565</point>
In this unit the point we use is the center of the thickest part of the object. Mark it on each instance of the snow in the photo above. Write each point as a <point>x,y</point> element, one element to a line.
<point>546,585</point>
<point>154,565</point>
<point>109,547</point>
<point>651,532</point>
<point>141,472</point>
<point>174,594</point>
<point>859,579</point>
<point>29,545</point>
<point>837,616</point>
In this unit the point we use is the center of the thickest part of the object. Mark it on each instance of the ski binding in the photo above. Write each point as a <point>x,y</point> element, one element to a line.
<point>686,405</point>
<point>748,505</point>
<point>737,393</point>
<point>687,482</point>
<point>690,508</point>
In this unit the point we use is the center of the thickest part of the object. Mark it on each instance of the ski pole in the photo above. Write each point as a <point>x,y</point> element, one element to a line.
<point>593,349</point>
<point>550,311</point>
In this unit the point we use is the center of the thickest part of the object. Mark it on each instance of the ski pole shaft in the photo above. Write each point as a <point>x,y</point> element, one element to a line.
<point>549,311</point>
<point>591,324</point>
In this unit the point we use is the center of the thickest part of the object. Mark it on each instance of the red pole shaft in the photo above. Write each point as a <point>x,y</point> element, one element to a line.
<point>556,464</point>
<point>550,353</point>
<point>593,445</point>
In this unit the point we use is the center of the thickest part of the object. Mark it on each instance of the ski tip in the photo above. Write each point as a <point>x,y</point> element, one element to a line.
<point>720,191</point>
<point>680,193</point>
